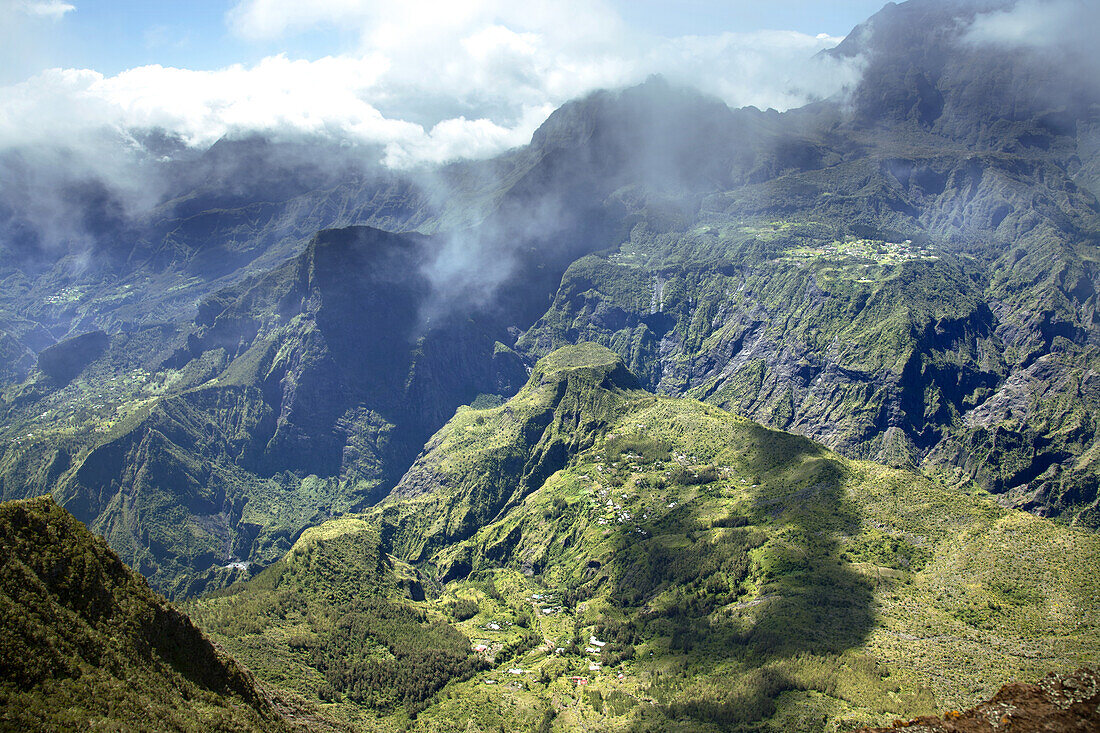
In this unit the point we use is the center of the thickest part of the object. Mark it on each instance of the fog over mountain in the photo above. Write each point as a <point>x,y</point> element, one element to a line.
<point>446,87</point>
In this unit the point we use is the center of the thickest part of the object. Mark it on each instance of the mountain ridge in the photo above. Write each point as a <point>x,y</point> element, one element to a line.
<point>887,289</point>
<point>728,571</point>
<point>87,642</point>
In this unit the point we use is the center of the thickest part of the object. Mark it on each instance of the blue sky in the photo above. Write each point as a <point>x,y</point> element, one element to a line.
<point>113,35</point>
<point>428,80</point>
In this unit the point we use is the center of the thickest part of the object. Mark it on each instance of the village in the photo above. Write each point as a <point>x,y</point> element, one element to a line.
<point>625,491</point>
<point>868,251</point>
<point>101,403</point>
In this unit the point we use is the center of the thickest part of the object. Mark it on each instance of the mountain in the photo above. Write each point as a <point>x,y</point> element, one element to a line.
<point>906,275</point>
<point>679,417</point>
<point>891,281</point>
<point>326,366</point>
<point>84,642</point>
<point>695,569</point>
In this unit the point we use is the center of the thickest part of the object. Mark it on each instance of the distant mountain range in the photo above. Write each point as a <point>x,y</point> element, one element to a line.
<point>297,353</point>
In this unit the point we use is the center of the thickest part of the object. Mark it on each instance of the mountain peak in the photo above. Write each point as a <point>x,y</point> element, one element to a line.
<point>585,355</point>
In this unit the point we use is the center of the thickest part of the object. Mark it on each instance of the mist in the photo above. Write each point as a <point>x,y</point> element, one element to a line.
<point>1056,39</point>
<point>95,163</point>
<point>422,88</point>
<point>97,187</point>
<point>1067,26</point>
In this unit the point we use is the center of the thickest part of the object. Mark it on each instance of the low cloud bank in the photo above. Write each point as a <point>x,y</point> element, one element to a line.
<point>428,83</point>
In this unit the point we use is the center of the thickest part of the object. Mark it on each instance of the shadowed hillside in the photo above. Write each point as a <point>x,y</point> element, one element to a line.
<point>733,576</point>
<point>85,643</point>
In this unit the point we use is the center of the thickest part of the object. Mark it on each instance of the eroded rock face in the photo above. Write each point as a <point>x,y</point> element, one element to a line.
<point>876,369</point>
<point>1058,704</point>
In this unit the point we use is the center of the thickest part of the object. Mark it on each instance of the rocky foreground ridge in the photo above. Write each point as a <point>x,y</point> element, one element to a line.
<point>1057,703</point>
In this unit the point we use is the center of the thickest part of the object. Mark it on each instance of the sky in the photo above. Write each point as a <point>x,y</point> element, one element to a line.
<point>427,80</point>
<point>111,36</point>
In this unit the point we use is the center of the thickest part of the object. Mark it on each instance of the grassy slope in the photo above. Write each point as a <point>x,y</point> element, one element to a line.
<point>332,622</point>
<point>740,576</point>
<point>84,642</point>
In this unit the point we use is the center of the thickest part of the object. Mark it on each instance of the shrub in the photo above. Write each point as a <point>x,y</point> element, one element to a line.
<point>463,609</point>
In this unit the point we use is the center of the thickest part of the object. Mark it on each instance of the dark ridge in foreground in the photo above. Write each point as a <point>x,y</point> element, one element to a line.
<point>85,643</point>
<point>1058,703</point>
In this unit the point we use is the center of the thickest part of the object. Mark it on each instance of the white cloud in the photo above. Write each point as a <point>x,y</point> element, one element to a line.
<point>278,96</point>
<point>1039,24</point>
<point>387,24</point>
<point>765,69</point>
<point>265,19</point>
<point>431,80</point>
<point>45,8</point>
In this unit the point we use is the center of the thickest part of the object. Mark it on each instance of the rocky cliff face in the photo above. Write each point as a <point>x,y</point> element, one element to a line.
<point>792,342</point>
<point>325,367</point>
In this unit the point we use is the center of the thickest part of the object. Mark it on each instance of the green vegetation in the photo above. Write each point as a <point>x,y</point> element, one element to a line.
<point>693,568</point>
<point>876,290</point>
<point>334,622</point>
<point>912,278</point>
<point>425,656</point>
<point>85,643</point>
